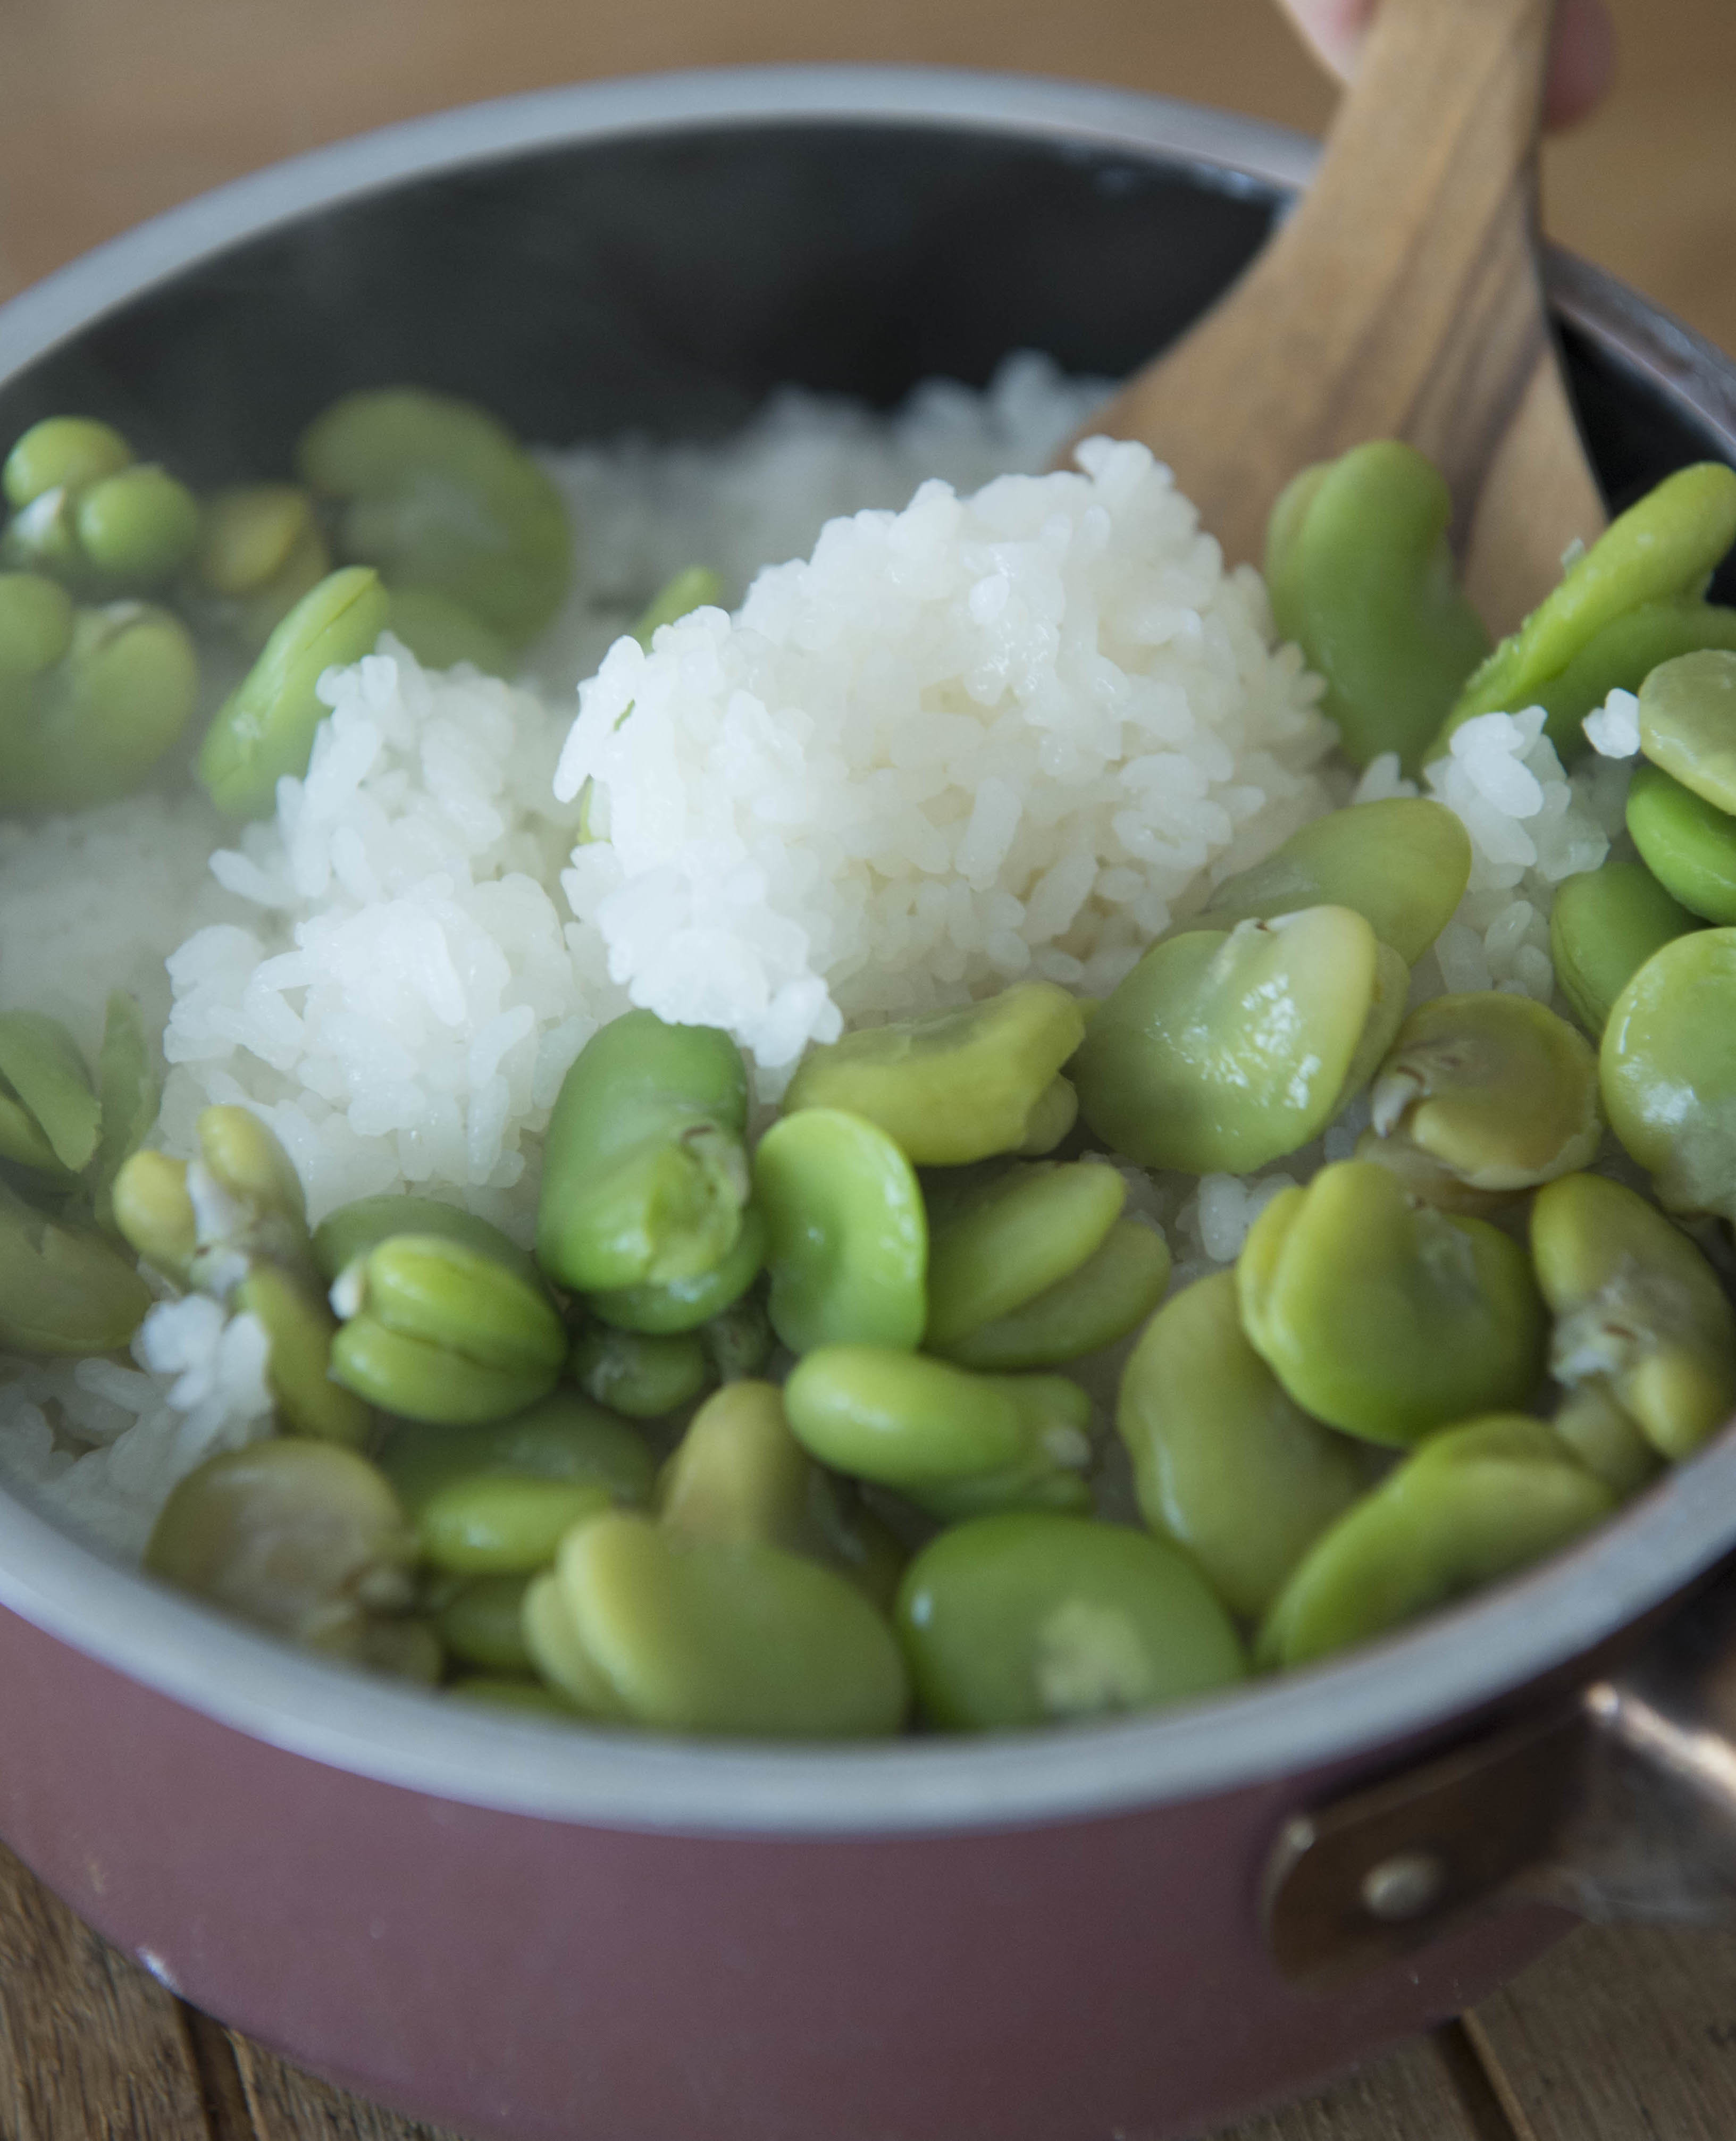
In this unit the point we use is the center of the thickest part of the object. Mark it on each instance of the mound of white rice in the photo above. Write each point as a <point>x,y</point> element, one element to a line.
<point>997,731</point>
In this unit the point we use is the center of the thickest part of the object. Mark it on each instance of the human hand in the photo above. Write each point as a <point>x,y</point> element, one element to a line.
<point>1581,64</point>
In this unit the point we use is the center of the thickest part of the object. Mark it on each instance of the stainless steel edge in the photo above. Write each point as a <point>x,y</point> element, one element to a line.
<point>1449,1666</point>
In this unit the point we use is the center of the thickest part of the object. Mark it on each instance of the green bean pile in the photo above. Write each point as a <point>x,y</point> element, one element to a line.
<point>448,531</point>
<point>783,1430</point>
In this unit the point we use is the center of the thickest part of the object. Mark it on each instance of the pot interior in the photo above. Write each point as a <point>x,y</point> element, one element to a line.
<point>665,278</point>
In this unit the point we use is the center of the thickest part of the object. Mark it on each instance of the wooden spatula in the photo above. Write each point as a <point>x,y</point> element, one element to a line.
<point>1402,300</point>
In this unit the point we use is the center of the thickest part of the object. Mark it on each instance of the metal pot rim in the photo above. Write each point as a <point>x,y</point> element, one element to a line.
<point>1454,1664</point>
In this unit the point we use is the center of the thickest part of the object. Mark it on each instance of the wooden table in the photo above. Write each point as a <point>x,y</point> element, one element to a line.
<point>112,109</point>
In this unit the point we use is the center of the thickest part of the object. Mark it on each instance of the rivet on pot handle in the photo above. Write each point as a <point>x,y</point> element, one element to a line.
<point>1616,1802</point>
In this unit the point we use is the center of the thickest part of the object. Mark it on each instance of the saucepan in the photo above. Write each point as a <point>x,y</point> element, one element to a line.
<point>1132,1929</point>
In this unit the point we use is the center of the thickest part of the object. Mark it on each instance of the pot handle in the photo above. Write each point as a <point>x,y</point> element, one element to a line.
<point>1616,1802</point>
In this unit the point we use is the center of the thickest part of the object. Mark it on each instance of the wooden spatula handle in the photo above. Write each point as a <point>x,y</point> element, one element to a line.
<point>1401,300</point>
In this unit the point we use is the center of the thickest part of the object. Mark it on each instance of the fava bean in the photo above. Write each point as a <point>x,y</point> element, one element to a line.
<point>1484,1095</point>
<point>503,1524</point>
<point>1221,1052</point>
<point>1662,550</point>
<point>1638,1311</point>
<point>1224,1463</point>
<point>36,625</point>
<point>1688,844</point>
<point>738,1474</point>
<point>952,1086</point>
<point>1362,577</point>
<point>645,1377</point>
<point>482,1623</point>
<point>90,726</point>
<point>436,1332</point>
<point>685,1304</point>
<point>564,1438</point>
<point>260,550</point>
<point>847,1239</point>
<point>302,1538</point>
<point>438,493</point>
<point>1402,864</point>
<point>50,1116</point>
<point>264,730</point>
<point>62,453</point>
<point>1667,1068</point>
<point>1604,925</point>
<point>300,1328</point>
<point>441,632</point>
<point>63,1289</point>
<point>353,1229</point>
<point>1383,1318</point>
<point>955,1442</point>
<point>1022,1619</point>
<point>1473,1503</point>
<point>641,1624</point>
<point>1687,723</point>
<point>1606,1439</point>
<point>1031,1227</point>
<point>129,1092</point>
<point>645,1173</point>
<point>1110,1294</point>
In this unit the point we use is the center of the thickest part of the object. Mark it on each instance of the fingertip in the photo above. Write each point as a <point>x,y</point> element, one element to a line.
<point>1581,64</point>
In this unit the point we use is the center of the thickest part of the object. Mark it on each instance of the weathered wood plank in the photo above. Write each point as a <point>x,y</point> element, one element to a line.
<point>1618,2035</point>
<point>1429,2091</point>
<point>285,2105</point>
<point>92,2048</point>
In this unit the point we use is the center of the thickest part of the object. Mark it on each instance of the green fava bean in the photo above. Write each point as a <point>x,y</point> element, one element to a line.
<point>1362,577</point>
<point>952,1086</point>
<point>645,1173</point>
<point>738,1474</point>
<point>300,1327</point>
<point>264,730</point>
<point>739,1342</point>
<point>645,1377</point>
<point>1660,550</point>
<point>438,493</point>
<point>260,550</point>
<point>353,1230</point>
<point>62,453</point>
<point>137,527</point>
<point>1386,1319</point>
<point>441,632</point>
<point>1484,1095</point>
<point>1668,1067</point>
<point>696,588</point>
<point>1638,1309</point>
<point>63,1289</point>
<point>247,1162</point>
<point>1221,1052</point>
<point>1402,864</point>
<point>1687,723</point>
<point>1606,1440</point>
<point>50,1116</point>
<point>91,727</point>
<point>504,1524</point>
<point>1224,1463</point>
<point>128,1090</point>
<point>1619,657</point>
<point>1056,1113</point>
<point>565,1438</point>
<point>482,1623</point>
<point>302,1538</point>
<point>684,1304</point>
<point>1604,925</point>
<point>1030,1228</point>
<point>847,1237</point>
<point>957,1444</point>
<point>36,624</point>
<point>497,1691</point>
<point>1472,1505</point>
<point>641,1624</point>
<point>1110,1294</point>
<point>1019,1620</point>
<point>155,1213</point>
<point>436,1332</point>
<point>1687,843</point>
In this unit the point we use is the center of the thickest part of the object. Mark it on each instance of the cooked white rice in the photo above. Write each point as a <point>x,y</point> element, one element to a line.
<point>1001,727</point>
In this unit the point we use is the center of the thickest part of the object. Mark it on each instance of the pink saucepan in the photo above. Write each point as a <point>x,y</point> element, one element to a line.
<point>531,1931</point>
